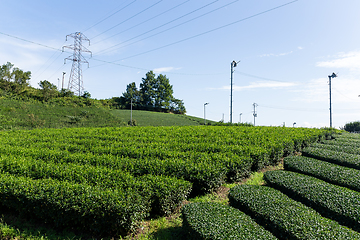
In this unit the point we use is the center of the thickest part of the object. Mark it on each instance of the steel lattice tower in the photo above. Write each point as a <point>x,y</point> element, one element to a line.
<point>76,78</point>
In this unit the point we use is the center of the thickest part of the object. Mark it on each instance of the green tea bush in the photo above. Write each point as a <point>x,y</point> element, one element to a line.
<point>335,202</point>
<point>285,217</point>
<point>217,221</point>
<point>341,158</point>
<point>165,193</point>
<point>74,206</point>
<point>338,148</point>
<point>329,172</point>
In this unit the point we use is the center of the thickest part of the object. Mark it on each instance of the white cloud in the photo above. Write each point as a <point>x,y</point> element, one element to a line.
<point>349,61</point>
<point>165,69</point>
<point>276,55</point>
<point>262,84</point>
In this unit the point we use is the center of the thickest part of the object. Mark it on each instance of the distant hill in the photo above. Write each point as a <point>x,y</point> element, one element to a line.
<point>19,114</point>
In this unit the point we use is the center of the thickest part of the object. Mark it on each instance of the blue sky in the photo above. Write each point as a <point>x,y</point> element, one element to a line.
<point>287,50</point>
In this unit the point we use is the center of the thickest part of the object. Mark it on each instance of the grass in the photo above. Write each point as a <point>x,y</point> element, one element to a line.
<point>146,118</point>
<point>17,114</point>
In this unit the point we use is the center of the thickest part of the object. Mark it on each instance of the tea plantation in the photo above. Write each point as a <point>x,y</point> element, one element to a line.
<point>105,181</point>
<point>316,196</point>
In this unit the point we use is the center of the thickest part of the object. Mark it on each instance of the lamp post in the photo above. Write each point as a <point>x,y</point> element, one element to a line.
<point>233,64</point>
<point>331,76</point>
<point>204,113</point>
<point>240,118</point>
<point>294,124</point>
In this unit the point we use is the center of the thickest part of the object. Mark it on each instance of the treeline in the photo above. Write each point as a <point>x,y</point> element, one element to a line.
<point>154,94</point>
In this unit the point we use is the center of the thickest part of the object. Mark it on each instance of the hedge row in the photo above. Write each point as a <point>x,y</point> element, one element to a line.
<point>329,172</point>
<point>214,221</point>
<point>341,143</point>
<point>337,148</point>
<point>285,217</point>
<point>341,158</point>
<point>74,206</point>
<point>335,202</point>
<point>166,193</point>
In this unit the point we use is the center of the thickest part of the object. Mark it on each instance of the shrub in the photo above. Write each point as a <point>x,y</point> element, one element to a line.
<point>338,148</point>
<point>341,158</point>
<point>285,217</point>
<point>74,206</point>
<point>217,221</point>
<point>329,172</point>
<point>164,193</point>
<point>335,202</point>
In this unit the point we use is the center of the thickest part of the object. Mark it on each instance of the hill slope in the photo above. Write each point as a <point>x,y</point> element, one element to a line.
<point>18,114</point>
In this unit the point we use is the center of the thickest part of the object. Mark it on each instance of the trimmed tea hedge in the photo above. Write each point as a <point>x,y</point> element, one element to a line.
<point>329,172</point>
<point>166,193</point>
<point>335,202</point>
<point>341,158</point>
<point>214,221</point>
<point>74,206</point>
<point>337,148</point>
<point>285,217</point>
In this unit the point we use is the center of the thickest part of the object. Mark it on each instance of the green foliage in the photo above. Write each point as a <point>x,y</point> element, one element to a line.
<point>352,127</point>
<point>338,148</point>
<point>155,94</point>
<point>218,221</point>
<point>67,205</point>
<point>341,158</point>
<point>335,202</point>
<point>329,172</point>
<point>285,217</point>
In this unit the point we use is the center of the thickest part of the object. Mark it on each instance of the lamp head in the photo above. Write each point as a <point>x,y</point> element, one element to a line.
<point>333,75</point>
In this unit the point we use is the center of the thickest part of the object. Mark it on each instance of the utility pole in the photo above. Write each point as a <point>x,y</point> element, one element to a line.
<point>62,86</point>
<point>131,122</point>
<point>255,114</point>
<point>76,78</point>
<point>331,76</point>
<point>204,113</point>
<point>233,64</point>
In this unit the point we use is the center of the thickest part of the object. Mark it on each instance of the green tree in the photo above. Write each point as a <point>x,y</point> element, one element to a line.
<point>147,90</point>
<point>130,95</point>
<point>352,127</point>
<point>163,92</point>
<point>48,90</point>
<point>10,74</point>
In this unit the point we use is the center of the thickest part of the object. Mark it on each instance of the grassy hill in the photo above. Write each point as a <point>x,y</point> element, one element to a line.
<point>18,114</point>
<point>146,118</point>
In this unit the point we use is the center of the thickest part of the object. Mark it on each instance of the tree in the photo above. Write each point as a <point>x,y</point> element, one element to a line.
<point>156,93</point>
<point>163,92</point>
<point>352,127</point>
<point>48,89</point>
<point>131,95</point>
<point>16,75</point>
<point>147,90</point>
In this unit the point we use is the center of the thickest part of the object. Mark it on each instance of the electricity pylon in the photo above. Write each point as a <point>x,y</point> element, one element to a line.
<point>76,79</point>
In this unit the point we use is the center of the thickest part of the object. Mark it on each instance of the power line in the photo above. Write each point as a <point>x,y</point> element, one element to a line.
<point>209,31</point>
<point>109,16</point>
<point>167,24</point>
<point>157,15</point>
<point>129,18</point>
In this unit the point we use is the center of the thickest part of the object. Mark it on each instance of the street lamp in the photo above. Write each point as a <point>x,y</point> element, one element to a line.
<point>294,124</point>
<point>240,118</point>
<point>233,64</point>
<point>204,113</point>
<point>331,76</point>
